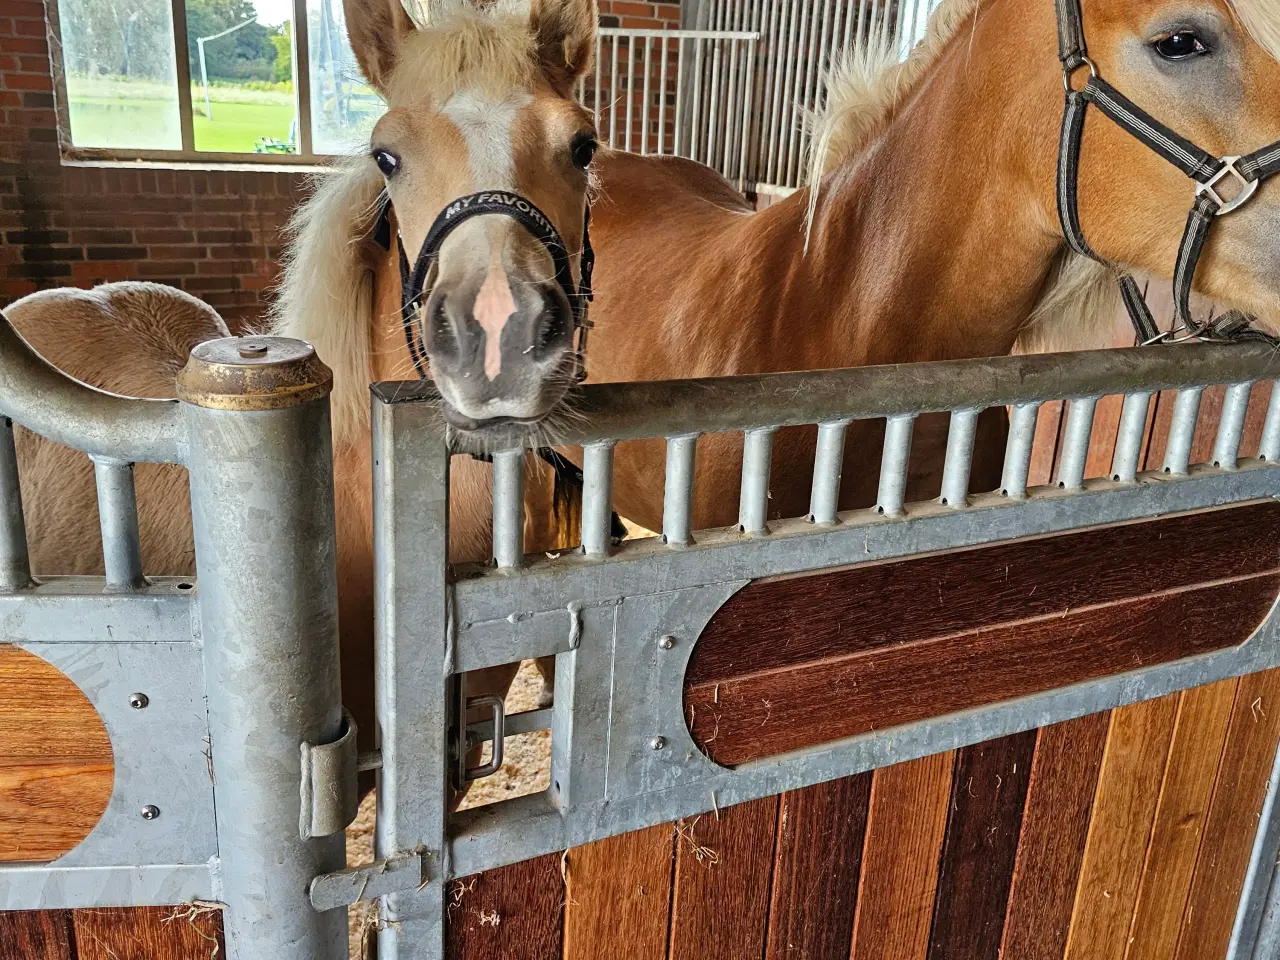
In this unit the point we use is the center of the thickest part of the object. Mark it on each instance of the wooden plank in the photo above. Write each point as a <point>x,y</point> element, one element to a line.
<point>149,933</point>
<point>816,869</point>
<point>905,826</point>
<point>1198,737</point>
<point>1123,811</point>
<point>988,792</point>
<point>1255,419</point>
<point>1044,450</point>
<point>1055,827</point>
<point>782,710</point>
<point>35,935</point>
<point>618,891</point>
<point>43,715</point>
<point>721,898</point>
<point>48,808</point>
<point>1102,440</point>
<point>511,913</point>
<point>1232,821</point>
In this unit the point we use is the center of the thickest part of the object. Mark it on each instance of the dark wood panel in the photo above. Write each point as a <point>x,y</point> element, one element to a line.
<point>1055,827</point>
<point>721,897</point>
<point>776,623</point>
<point>512,913</point>
<point>149,933</point>
<point>619,892</point>
<point>772,713</point>
<point>816,869</point>
<point>988,791</point>
<point>35,935</point>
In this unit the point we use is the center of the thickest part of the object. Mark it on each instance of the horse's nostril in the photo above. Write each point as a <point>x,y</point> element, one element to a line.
<point>552,324</point>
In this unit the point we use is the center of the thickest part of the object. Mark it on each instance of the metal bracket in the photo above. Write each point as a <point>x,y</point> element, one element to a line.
<point>1247,187</point>
<point>394,874</point>
<point>497,727</point>
<point>330,798</point>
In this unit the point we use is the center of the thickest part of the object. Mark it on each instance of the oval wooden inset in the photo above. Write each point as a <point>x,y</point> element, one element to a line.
<point>798,661</point>
<point>56,769</point>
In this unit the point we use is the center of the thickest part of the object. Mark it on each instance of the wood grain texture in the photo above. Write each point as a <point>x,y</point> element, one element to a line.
<point>723,874</point>
<point>1102,440</point>
<point>1232,821</point>
<point>1124,808</point>
<point>905,826</point>
<point>56,770</point>
<point>988,792</point>
<point>35,935</point>
<point>1044,450</point>
<point>511,913</point>
<point>148,933</point>
<point>1055,827</point>
<point>782,710</point>
<point>816,869</point>
<point>1194,755</point>
<point>619,892</point>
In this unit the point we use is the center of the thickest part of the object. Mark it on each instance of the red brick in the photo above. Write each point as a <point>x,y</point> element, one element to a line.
<point>224,268</point>
<point>641,23</point>
<point>13,44</point>
<point>167,268</point>
<point>103,272</point>
<point>183,251</point>
<point>29,28</point>
<point>195,284</point>
<point>172,235</point>
<point>27,81</point>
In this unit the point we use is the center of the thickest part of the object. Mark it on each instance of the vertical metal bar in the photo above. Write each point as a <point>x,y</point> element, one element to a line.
<point>893,464</point>
<point>859,34</point>
<point>1017,451</point>
<point>15,564</point>
<point>613,88</point>
<point>263,517</point>
<point>1129,438</point>
<point>678,495</point>
<point>1256,931</point>
<point>644,115</point>
<point>662,97</point>
<point>828,462</point>
<point>1235,405</point>
<point>596,93</point>
<point>1269,447</point>
<point>695,122</point>
<point>713,105</point>
<point>302,77</point>
<point>959,461</point>
<point>118,517</point>
<point>678,112</point>
<point>797,92</point>
<point>815,71</point>
<point>848,25</point>
<point>748,102</point>
<point>753,501</point>
<point>1075,443</point>
<point>631,87</point>
<point>508,507</point>
<point>728,141</point>
<point>1182,430</point>
<point>597,499</point>
<point>781,64</point>
<point>182,65</point>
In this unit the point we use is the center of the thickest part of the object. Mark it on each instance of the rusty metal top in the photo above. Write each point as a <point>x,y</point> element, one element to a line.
<point>254,373</point>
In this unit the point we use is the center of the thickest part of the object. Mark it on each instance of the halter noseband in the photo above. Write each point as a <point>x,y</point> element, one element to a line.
<point>413,278</point>
<point>1208,171</point>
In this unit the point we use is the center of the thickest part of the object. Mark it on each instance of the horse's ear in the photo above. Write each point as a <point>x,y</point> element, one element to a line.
<point>377,28</point>
<point>566,32</point>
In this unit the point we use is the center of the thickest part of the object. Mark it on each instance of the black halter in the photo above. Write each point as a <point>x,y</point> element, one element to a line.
<point>1207,170</point>
<point>413,279</point>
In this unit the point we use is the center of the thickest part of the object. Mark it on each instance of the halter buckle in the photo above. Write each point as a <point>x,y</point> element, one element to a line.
<point>1247,187</point>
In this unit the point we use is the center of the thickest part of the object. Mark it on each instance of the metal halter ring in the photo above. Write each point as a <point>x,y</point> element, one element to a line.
<point>1247,187</point>
<point>1069,72</point>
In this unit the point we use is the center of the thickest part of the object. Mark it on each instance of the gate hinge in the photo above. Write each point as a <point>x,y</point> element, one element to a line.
<point>330,797</point>
<point>395,874</point>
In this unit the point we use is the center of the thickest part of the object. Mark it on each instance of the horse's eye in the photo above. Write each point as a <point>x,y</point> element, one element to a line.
<point>583,149</point>
<point>1180,46</point>
<point>387,162</point>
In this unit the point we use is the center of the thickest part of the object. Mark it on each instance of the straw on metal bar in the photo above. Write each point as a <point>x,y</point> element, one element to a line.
<point>678,495</point>
<point>508,507</point>
<point>15,563</point>
<point>1017,452</point>
<point>1235,406</point>
<point>597,499</point>
<point>1182,430</point>
<point>753,504</point>
<point>893,464</point>
<point>1076,438</point>
<point>1129,438</point>
<point>1269,448</point>
<point>118,516</point>
<point>828,462</point>
<point>959,460</point>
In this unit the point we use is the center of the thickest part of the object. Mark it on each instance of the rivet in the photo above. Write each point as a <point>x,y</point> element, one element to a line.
<point>657,743</point>
<point>138,700</point>
<point>253,350</point>
<point>150,812</point>
<point>667,642</point>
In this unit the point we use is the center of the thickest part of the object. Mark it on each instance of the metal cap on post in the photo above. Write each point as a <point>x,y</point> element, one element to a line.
<point>260,457</point>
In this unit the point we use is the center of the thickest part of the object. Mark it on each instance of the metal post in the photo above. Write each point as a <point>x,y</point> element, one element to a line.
<point>1075,445</point>
<point>1269,448</point>
<point>15,567</point>
<point>1182,430</point>
<point>1129,437</point>
<point>677,500</point>
<point>824,495</point>
<point>118,517</point>
<point>757,455</point>
<point>893,464</point>
<point>1235,406</point>
<point>261,468</point>
<point>1017,455</point>
<point>204,79</point>
<point>508,507</point>
<point>597,499</point>
<point>959,460</point>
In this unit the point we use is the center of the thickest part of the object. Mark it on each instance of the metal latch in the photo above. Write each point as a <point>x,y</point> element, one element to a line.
<point>330,797</point>
<point>464,774</point>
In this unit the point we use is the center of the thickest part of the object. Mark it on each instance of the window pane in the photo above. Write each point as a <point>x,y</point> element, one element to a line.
<point>122,86</point>
<point>242,97</point>
<point>343,107</point>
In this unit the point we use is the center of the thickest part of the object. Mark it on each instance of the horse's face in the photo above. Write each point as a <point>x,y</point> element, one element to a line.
<point>1210,70</point>
<point>481,105</point>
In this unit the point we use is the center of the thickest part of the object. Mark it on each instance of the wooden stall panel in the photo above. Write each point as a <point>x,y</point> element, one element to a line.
<point>149,933</point>
<point>619,891</point>
<point>512,913</point>
<point>35,935</point>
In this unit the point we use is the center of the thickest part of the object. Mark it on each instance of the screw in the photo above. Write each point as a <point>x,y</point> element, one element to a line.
<point>252,350</point>
<point>138,700</point>
<point>150,812</point>
<point>667,642</point>
<point>657,743</point>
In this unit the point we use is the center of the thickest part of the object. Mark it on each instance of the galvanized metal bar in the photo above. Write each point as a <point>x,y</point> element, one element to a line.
<point>662,95</point>
<point>677,120</point>
<point>1017,453</point>
<point>816,46</point>
<point>959,460</point>
<point>1269,447</point>
<point>1261,889</point>
<point>1182,430</point>
<point>631,88</point>
<point>644,105</point>
<point>595,109</point>
<point>778,51</point>
<point>613,92</point>
<point>695,121</point>
<point>1075,442</point>
<point>613,32</point>
<point>508,507</point>
<point>118,517</point>
<point>15,563</point>
<point>677,503</point>
<point>1235,405</point>
<point>794,146</point>
<point>753,505</point>
<point>748,103</point>
<point>828,461</point>
<point>893,465</point>
<point>1130,437</point>
<point>40,886</point>
<point>597,499</point>
<point>713,108</point>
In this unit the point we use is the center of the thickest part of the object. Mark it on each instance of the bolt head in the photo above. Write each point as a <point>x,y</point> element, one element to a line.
<point>657,743</point>
<point>150,812</point>
<point>667,642</point>
<point>138,700</point>
<point>252,350</point>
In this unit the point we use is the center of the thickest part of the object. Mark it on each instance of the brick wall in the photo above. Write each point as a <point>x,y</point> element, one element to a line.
<point>633,13</point>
